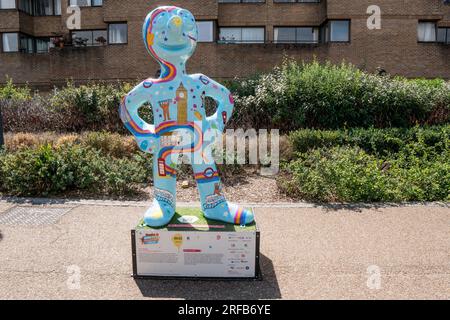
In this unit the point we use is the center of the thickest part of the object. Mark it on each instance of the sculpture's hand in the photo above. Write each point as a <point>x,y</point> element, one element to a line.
<point>224,100</point>
<point>143,132</point>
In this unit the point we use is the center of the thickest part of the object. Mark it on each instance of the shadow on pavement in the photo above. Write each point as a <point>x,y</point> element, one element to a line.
<point>268,288</point>
<point>1,235</point>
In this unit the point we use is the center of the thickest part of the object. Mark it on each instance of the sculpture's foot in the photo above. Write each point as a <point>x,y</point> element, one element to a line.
<point>234,215</point>
<point>159,215</point>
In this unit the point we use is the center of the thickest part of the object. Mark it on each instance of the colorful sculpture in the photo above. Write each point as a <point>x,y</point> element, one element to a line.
<point>180,123</point>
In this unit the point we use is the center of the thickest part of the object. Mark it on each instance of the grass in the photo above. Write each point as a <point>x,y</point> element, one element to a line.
<point>202,224</point>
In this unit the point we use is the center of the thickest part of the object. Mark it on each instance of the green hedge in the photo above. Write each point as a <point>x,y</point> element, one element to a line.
<point>327,96</point>
<point>292,96</point>
<point>91,163</point>
<point>419,171</point>
<point>374,141</point>
<point>92,107</point>
<point>48,170</point>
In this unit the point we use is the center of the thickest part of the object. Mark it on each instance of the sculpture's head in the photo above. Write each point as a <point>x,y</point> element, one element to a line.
<point>170,34</point>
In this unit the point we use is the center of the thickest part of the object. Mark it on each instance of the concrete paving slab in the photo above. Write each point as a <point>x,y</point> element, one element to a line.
<point>307,253</point>
<point>4,207</point>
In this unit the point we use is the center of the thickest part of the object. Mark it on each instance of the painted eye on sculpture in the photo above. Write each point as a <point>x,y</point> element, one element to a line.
<point>161,21</point>
<point>188,20</point>
<point>189,25</point>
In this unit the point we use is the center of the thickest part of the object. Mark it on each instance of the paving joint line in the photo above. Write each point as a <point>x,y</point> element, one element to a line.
<point>75,203</point>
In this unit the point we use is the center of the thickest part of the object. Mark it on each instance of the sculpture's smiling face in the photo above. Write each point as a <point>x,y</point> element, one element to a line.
<point>170,33</point>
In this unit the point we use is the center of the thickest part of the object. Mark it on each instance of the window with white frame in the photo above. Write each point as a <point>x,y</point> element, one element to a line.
<point>118,33</point>
<point>426,31</point>
<point>205,31</point>
<point>7,4</point>
<point>296,34</point>
<point>242,35</point>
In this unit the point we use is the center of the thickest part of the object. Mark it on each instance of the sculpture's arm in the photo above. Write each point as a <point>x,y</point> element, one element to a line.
<point>129,107</point>
<point>224,99</point>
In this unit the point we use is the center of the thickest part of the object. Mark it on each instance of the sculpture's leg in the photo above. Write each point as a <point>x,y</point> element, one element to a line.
<point>214,204</point>
<point>163,208</point>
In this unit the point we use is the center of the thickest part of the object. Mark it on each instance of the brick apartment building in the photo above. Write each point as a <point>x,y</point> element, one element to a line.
<point>238,37</point>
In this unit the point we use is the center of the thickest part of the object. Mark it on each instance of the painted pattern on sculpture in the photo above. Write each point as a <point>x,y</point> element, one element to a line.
<point>180,123</point>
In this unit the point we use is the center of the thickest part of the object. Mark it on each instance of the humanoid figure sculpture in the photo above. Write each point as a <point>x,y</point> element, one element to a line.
<point>177,99</point>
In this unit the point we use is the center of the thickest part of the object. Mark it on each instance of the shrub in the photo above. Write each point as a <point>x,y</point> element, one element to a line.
<point>33,115</point>
<point>327,96</point>
<point>69,109</point>
<point>349,174</point>
<point>291,96</point>
<point>339,174</point>
<point>92,107</point>
<point>111,143</point>
<point>374,141</point>
<point>11,92</point>
<point>51,170</point>
<point>67,140</point>
<point>21,141</point>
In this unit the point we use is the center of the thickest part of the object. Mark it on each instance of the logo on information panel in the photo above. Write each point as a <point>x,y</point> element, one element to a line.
<point>177,240</point>
<point>150,238</point>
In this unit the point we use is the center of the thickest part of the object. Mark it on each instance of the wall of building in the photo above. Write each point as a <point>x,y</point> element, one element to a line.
<point>393,48</point>
<point>9,20</point>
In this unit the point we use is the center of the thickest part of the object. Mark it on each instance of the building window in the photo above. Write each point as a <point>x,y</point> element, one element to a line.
<point>426,31</point>
<point>26,6</point>
<point>296,35</point>
<point>41,7</point>
<point>335,31</point>
<point>10,42</point>
<point>7,4</point>
<point>89,38</point>
<point>118,33</point>
<point>29,44</point>
<point>57,6</point>
<point>43,45</point>
<point>339,31</point>
<point>242,1</point>
<point>18,42</point>
<point>205,31</point>
<point>26,44</point>
<point>443,35</point>
<point>86,3</point>
<point>298,1</point>
<point>242,35</point>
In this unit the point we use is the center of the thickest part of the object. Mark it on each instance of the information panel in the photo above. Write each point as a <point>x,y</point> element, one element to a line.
<point>192,246</point>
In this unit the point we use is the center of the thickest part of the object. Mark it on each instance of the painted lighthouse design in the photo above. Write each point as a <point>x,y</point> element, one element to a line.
<point>182,104</point>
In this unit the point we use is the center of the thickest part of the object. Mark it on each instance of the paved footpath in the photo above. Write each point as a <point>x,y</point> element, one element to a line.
<point>308,252</point>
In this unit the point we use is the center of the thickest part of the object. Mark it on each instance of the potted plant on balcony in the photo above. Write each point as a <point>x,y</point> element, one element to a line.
<point>58,42</point>
<point>101,40</point>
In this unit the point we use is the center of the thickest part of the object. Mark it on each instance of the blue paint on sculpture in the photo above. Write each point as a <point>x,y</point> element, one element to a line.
<point>181,126</point>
